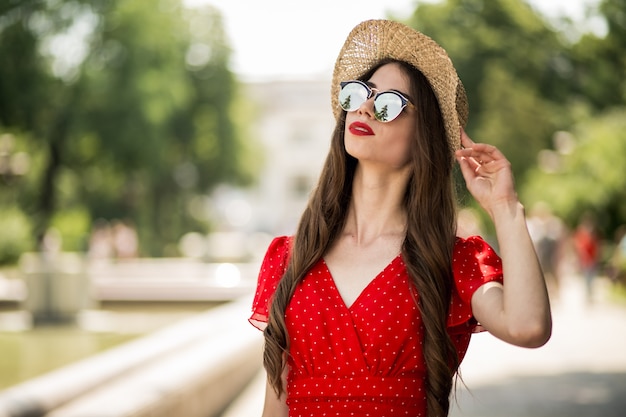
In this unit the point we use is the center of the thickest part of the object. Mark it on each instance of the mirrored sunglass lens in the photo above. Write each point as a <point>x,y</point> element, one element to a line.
<point>352,95</point>
<point>387,106</point>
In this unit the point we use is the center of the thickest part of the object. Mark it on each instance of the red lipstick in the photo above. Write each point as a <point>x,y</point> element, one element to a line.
<point>360,129</point>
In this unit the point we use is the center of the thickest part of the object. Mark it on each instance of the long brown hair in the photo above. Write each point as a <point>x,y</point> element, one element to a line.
<point>427,248</point>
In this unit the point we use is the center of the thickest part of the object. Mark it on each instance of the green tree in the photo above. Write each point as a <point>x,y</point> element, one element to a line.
<point>589,178</point>
<point>31,98</point>
<point>587,174</point>
<point>513,66</point>
<point>382,115</point>
<point>134,123</point>
<point>600,61</point>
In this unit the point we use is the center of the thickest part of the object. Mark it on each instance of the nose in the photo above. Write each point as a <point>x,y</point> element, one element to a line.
<point>367,108</point>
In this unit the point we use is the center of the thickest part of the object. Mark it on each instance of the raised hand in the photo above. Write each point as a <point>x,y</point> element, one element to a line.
<point>487,174</point>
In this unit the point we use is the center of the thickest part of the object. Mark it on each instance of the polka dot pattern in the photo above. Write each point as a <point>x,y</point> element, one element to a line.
<point>366,360</point>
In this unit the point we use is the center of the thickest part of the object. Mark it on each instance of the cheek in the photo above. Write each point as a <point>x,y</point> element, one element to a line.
<point>400,149</point>
<point>402,152</point>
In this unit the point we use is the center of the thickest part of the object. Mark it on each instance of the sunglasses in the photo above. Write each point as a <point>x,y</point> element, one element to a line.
<point>387,104</point>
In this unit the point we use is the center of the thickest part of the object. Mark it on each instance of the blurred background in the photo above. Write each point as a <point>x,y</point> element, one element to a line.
<point>149,151</point>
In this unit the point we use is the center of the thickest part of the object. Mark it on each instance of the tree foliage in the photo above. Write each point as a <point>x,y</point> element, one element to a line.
<point>526,82</point>
<point>600,61</point>
<point>588,174</point>
<point>589,177</point>
<point>514,69</point>
<point>124,108</point>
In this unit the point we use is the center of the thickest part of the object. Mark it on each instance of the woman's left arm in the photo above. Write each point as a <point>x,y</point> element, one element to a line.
<point>517,312</point>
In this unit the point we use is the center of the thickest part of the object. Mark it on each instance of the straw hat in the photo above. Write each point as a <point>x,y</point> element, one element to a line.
<point>373,40</point>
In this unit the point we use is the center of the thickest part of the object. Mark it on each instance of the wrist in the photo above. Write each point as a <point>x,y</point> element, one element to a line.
<point>507,210</point>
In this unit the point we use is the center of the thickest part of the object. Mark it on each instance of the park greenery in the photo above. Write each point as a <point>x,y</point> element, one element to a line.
<point>117,109</point>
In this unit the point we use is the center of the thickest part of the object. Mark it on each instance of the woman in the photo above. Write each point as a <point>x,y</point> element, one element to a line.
<point>369,308</point>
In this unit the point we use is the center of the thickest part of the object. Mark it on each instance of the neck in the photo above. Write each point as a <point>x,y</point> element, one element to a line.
<point>376,208</point>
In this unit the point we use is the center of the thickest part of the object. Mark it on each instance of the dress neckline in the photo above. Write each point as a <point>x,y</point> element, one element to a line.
<point>358,300</point>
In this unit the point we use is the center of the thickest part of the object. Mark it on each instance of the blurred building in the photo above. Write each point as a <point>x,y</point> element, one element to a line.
<point>294,123</point>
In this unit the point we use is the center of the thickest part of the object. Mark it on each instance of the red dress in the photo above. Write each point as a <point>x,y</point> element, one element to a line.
<point>365,360</point>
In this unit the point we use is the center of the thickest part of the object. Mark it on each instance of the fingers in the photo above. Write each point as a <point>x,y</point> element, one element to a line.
<point>480,153</point>
<point>464,156</point>
<point>468,168</point>
<point>466,142</point>
<point>479,159</point>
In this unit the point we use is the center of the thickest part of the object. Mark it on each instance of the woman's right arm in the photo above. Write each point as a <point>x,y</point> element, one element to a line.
<point>274,406</point>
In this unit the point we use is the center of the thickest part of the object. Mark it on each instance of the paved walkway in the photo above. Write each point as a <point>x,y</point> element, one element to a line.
<point>581,372</point>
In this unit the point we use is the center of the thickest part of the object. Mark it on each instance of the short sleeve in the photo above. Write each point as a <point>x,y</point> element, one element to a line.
<point>272,269</point>
<point>474,263</point>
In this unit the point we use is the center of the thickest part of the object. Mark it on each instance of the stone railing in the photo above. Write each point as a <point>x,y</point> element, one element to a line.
<point>56,289</point>
<point>194,368</point>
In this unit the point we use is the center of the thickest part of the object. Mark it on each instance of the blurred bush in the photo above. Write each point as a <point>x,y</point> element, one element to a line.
<point>15,236</point>
<point>74,226</point>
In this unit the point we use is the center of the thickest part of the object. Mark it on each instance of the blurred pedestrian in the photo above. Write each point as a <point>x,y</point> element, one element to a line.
<point>587,246</point>
<point>125,241</point>
<point>100,245</point>
<point>368,310</point>
<point>547,232</point>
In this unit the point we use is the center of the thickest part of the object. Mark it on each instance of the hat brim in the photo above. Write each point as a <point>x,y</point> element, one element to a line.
<point>374,40</point>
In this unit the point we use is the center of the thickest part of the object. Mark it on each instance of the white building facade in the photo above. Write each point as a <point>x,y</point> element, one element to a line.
<point>294,125</point>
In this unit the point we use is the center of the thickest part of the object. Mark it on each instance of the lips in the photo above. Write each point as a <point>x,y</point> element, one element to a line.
<point>360,129</point>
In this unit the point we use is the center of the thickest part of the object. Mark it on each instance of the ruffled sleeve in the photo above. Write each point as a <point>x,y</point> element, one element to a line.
<point>272,269</point>
<point>474,263</point>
